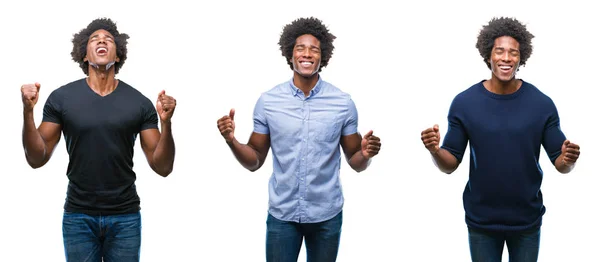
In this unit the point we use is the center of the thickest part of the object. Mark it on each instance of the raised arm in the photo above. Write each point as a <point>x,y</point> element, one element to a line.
<point>359,151</point>
<point>159,147</point>
<point>443,160</point>
<point>561,151</point>
<point>39,143</point>
<point>251,155</point>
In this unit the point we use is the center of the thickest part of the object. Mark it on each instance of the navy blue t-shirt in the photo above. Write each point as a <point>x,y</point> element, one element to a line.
<point>505,134</point>
<point>100,134</point>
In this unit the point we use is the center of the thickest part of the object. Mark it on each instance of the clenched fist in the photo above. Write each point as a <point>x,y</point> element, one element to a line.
<point>370,145</point>
<point>226,126</point>
<point>570,152</point>
<point>165,106</point>
<point>431,138</point>
<point>30,95</point>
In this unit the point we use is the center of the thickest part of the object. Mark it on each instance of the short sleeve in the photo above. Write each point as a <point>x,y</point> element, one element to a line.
<point>351,122</point>
<point>456,138</point>
<point>260,119</point>
<point>553,137</point>
<point>53,109</point>
<point>149,116</point>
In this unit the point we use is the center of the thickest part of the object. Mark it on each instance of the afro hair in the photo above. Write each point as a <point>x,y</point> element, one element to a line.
<point>80,41</point>
<point>504,26</point>
<point>302,26</point>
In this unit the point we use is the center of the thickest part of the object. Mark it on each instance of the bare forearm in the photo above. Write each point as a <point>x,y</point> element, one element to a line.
<point>33,143</point>
<point>560,165</point>
<point>359,162</point>
<point>164,154</point>
<point>445,161</point>
<point>246,155</point>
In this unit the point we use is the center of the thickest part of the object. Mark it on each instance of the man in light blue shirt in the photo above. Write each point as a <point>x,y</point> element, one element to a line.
<point>304,121</point>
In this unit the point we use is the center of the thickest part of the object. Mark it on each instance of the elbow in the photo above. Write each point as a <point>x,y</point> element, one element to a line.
<point>253,168</point>
<point>256,166</point>
<point>359,169</point>
<point>163,171</point>
<point>448,170</point>
<point>34,164</point>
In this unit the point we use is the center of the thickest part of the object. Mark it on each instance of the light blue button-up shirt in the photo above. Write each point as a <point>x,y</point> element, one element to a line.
<point>305,137</point>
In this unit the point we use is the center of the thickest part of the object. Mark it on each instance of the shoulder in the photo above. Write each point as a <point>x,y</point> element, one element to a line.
<point>537,95</point>
<point>465,97</point>
<point>133,94</point>
<point>332,90</point>
<point>70,90</point>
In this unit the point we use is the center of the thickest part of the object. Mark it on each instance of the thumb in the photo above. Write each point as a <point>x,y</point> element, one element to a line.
<point>161,93</point>
<point>436,128</point>
<point>38,85</point>
<point>231,113</point>
<point>368,134</point>
<point>566,143</point>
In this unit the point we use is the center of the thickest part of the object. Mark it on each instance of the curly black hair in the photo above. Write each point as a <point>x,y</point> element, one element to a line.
<point>504,26</point>
<point>80,41</point>
<point>302,26</point>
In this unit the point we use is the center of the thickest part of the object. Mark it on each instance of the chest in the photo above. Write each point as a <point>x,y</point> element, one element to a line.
<point>95,113</point>
<point>312,119</point>
<point>512,120</point>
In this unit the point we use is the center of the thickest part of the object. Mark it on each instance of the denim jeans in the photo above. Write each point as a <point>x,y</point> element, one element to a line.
<point>284,240</point>
<point>102,238</point>
<point>487,246</point>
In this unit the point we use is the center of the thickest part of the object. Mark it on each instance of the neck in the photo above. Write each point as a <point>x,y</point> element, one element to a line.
<point>306,83</point>
<point>101,81</point>
<point>500,87</point>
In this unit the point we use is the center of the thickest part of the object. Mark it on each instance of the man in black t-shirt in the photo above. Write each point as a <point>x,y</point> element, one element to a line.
<point>100,118</point>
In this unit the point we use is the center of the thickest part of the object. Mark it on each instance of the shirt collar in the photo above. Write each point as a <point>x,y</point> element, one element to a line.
<point>296,91</point>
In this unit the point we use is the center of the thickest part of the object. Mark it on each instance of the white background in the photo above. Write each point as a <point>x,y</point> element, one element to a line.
<point>402,64</point>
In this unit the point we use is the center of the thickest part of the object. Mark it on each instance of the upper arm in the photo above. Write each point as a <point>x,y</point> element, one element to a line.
<point>351,139</point>
<point>149,133</point>
<point>149,141</point>
<point>261,144</point>
<point>260,139</point>
<point>456,139</point>
<point>50,133</point>
<point>52,121</point>
<point>553,137</point>
<point>351,144</point>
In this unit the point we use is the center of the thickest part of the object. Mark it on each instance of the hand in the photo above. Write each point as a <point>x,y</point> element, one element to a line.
<point>570,153</point>
<point>431,138</point>
<point>226,126</point>
<point>370,145</point>
<point>165,106</point>
<point>30,95</point>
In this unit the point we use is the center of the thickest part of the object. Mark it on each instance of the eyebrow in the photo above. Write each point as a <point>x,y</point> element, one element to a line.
<point>97,35</point>
<point>510,49</point>
<point>311,46</point>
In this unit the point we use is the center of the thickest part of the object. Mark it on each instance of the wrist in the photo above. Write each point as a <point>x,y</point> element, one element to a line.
<point>27,112</point>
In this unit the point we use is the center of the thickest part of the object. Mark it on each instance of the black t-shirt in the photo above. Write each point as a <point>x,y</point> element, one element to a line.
<point>100,134</point>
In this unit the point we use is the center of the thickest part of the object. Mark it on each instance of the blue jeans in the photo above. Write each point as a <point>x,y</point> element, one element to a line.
<point>102,238</point>
<point>284,239</point>
<point>487,246</point>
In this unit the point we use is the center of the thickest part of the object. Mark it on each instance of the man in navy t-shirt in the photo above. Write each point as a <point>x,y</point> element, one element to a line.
<point>100,118</point>
<point>505,121</point>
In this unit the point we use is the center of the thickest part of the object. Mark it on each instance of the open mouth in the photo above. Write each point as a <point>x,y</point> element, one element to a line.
<point>101,50</point>
<point>306,63</point>
<point>505,68</point>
